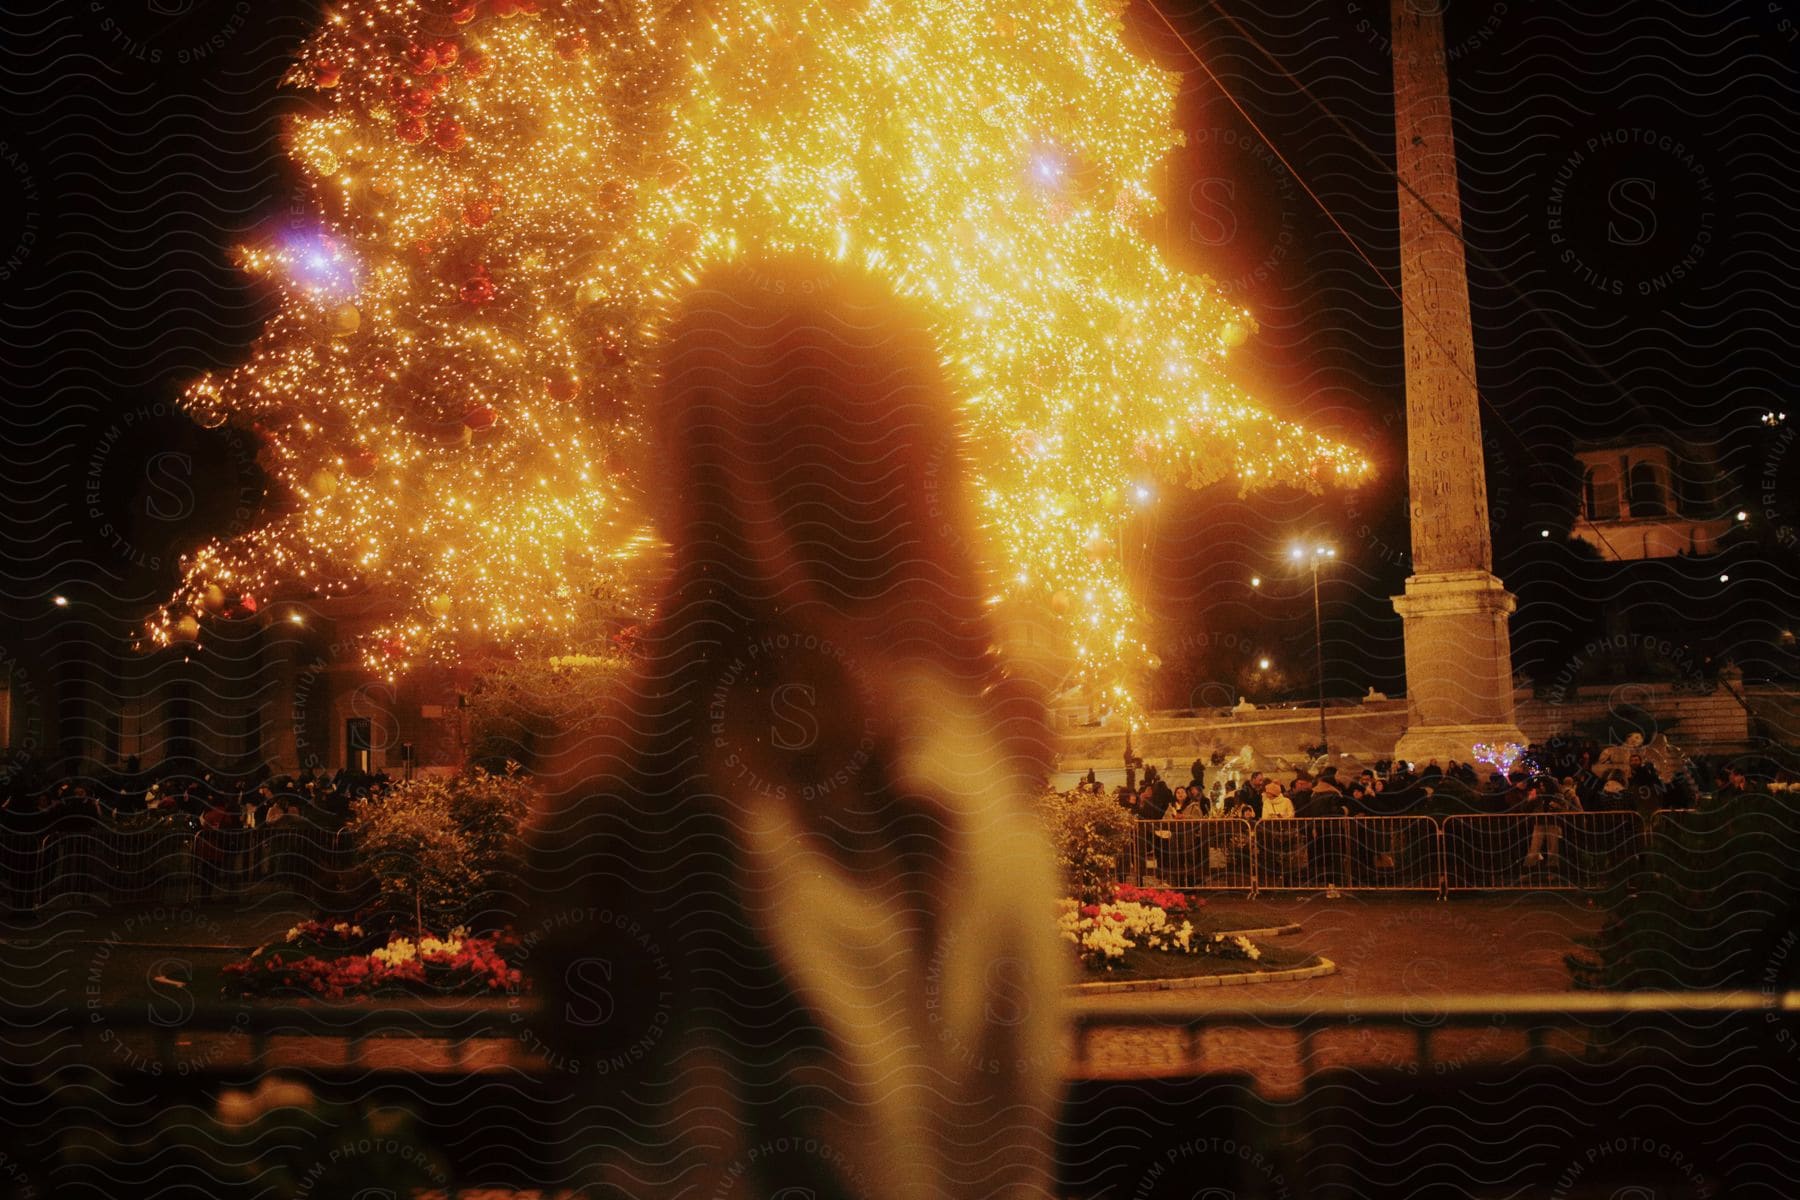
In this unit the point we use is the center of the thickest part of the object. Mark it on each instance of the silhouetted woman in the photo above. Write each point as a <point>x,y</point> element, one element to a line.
<point>798,934</point>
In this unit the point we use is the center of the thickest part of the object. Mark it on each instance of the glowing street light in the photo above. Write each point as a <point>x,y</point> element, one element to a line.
<point>1320,554</point>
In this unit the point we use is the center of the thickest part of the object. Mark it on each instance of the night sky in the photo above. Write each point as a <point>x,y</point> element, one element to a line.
<point>1629,199</point>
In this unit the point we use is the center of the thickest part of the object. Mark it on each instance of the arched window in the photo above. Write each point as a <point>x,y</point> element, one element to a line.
<point>1600,494</point>
<point>1647,496</point>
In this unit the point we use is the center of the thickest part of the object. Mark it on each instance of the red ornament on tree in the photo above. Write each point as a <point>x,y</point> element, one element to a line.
<point>447,53</point>
<point>422,59</point>
<point>479,290</point>
<point>465,14</point>
<point>410,130</point>
<point>360,464</point>
<point>327,74</point>
<point>475,64</point>
<point>481,419</point>
<point>477,213</point>
<point>416,101</point>
<point>612,345</point>
<point>506,8</point>
<point>248,604</point>
<point>573,46</point>
<point>562,388</point>
<point>448,134</point>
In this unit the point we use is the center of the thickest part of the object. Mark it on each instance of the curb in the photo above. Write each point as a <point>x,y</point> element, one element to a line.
<point>1241,979</point>
<point>1270,931</point>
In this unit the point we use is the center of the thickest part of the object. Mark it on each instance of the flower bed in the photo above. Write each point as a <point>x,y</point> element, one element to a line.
<point>339,960</point>
<point>1173,902</point>
<point>1137,922</point>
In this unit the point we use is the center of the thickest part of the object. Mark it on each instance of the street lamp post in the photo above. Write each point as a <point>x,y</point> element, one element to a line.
<point>1319,555</point>
<point>1144,497</point>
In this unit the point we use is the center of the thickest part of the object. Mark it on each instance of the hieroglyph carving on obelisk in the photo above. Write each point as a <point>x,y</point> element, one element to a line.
<point>1458,649</point>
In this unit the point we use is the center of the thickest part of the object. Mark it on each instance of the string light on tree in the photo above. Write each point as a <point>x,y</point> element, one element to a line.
<point>513,192</point>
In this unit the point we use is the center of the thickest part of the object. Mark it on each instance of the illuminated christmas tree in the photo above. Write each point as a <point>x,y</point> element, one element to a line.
<point>511,192</point>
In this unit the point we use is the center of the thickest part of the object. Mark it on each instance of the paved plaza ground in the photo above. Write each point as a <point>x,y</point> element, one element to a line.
<point>1415,947</point>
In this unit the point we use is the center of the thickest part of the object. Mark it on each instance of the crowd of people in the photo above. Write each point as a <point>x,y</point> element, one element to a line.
<point>1546,784</point>
<point>199,800</point>
<point>237,830</point>
<point>1547,780</point>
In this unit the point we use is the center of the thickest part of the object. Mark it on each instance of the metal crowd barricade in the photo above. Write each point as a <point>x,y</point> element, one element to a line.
<point>1667,824</point>
<point>1210,853</point>
<point>21,868</point>
<point>301,858</point>
<point>289,856</point>
<point>172,863</point>
<point>90,859</point>
<point>1538,851</point>
<point>1296,854</point>
<point>1353,853</point>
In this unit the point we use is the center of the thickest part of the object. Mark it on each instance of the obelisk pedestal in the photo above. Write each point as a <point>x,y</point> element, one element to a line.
<point>1454,612</point>
<point>1459,692</point>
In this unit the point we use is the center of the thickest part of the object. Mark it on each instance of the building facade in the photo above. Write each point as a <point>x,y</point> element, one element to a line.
<point>1653,497</point>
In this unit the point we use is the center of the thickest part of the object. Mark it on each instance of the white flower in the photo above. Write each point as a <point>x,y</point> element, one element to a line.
<point>431,945</point>
<point>394,953</point>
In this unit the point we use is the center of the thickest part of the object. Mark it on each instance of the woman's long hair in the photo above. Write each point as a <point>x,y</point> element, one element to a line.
<point>814,853</point>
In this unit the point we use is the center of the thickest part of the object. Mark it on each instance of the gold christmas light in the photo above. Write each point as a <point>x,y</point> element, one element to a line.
<point>511,192</point>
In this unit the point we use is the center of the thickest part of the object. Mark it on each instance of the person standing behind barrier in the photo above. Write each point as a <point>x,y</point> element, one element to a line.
<point>1546,833</point>
<point>1300,790</point>
<point>1178,840</point>
<point>1646,786</point>
<point>1736,785</point>
<point>1323,799</point>
<point>1325,803</point>
<point>1251,793</point>
<point>1275,806</point>
<point>209,848</point>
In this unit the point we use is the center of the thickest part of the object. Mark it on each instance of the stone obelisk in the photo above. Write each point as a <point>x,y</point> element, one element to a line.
<point>1458,650</point>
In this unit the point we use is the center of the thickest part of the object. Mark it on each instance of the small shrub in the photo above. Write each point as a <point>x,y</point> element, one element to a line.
<point>1091,835</point>
<point>439,847</point>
